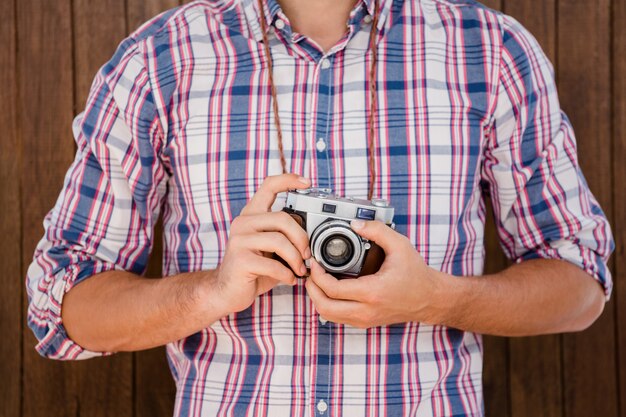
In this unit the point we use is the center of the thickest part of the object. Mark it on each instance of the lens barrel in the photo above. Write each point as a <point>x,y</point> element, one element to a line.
<point>336,247</point>
<point>337,250</point>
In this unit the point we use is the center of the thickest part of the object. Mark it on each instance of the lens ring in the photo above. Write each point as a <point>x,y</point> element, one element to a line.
<point>337,250</point>
<point>330,229</point>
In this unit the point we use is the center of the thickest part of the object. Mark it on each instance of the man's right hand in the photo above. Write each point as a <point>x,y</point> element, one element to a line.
<point>247,269</point>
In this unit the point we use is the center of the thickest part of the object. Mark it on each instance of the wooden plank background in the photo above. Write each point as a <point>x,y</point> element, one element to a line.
<point>49,53</point>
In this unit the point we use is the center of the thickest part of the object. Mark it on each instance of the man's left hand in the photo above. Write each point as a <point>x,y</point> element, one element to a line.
<point>401,291</point>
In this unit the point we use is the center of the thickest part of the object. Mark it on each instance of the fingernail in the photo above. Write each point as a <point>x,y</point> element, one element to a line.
<point>304,180</point>
<point>303,270</point>
<point>307,253</point>
<point>357,224</point>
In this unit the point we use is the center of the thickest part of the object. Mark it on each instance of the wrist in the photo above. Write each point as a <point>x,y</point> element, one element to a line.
<point>444,300</point>
<point>209,301</point>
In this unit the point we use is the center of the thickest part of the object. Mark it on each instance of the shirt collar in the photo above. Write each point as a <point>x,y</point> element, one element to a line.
<point>271,10</point>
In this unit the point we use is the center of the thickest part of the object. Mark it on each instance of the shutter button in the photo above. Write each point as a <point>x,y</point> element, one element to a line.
<point>322,406</point>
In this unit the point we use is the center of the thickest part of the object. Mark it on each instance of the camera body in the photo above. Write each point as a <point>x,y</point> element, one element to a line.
<point>334,245</point>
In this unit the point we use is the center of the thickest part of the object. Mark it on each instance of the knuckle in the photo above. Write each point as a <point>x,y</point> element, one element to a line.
<point>278,239</point>
<point>372,297</point>
<point>234,242</point>
<point>368,316</point>
<point>332,292</point>
<point>269,181</point>
<point>322,307</point>
<point>236,224</point>
<point>283,216</point>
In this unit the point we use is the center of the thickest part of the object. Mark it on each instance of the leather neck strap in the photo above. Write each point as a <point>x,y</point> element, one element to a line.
<point>372,90</point>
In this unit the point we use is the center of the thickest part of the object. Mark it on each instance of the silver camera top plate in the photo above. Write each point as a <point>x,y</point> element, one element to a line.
<point>322,201</point>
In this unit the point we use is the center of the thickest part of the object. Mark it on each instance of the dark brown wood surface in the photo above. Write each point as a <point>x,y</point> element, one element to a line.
<point>51,50</point>
<point>618,90</point>
<point>584,61</point>
<point>11,285</point>
<point>45,110</point>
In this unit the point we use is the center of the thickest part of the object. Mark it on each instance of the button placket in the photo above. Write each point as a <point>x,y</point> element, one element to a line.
<point>321,129</point>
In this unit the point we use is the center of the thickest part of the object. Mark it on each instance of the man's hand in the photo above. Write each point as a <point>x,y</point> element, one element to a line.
<point>247,269</point>
<point>539,296</point>
<point>399,292</point>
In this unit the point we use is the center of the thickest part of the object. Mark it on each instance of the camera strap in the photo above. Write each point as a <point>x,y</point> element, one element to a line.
<point>372,91</point>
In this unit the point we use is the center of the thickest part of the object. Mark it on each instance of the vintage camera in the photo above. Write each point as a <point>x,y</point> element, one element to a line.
<point>334,245</point>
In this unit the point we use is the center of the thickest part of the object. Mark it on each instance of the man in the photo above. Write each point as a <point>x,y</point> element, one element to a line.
<point>430,104</point>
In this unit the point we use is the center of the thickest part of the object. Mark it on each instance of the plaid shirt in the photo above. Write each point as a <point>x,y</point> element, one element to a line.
<point>180,122</point>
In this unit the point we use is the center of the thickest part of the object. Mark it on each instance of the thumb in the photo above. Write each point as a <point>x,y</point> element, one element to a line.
<point>377,231</point>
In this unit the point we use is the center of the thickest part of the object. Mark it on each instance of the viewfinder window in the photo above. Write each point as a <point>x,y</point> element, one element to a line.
<point>365,214</point>
<point>329,208</point>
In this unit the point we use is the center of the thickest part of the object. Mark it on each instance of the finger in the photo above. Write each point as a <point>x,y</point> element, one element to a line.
<point>264,197</point>
<point>338,289</point>
<point>271,269</point>
<point>277,243</point>
<point>377,231</point>
<point>264,284</point>
<point>275,222</point>
<point>337,311</point>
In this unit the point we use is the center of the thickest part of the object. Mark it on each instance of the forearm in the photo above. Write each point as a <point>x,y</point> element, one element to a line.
<point>120,311</point>
<point>533,297</point>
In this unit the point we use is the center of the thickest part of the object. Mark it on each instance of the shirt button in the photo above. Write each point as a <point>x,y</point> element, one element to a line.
<point>325,63</point>
<point>367,19</point>
<point>322,406</point>
<point>320,145</point>
<point>280,25</point>
<point>322,320</point>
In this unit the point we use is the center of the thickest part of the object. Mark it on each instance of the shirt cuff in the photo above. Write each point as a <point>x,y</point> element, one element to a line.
<point>44,313</point>
<point>579,255</point>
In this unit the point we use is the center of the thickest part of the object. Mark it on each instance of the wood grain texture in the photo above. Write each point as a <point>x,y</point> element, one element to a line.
<point>10,219</point>
<point>536,388</point>
<point>535,363</point>
<point>619,190</point>
<point>140,11</point>
<point>45,116</point>
<point>540,19</point>
<point>99,27</point>
<point>494,4</point>
<point>154,385</point>
<point>589,377</point>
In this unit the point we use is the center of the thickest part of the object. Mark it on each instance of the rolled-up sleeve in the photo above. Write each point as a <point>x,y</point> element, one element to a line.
<point>542,204</point>
<point>104,216</point>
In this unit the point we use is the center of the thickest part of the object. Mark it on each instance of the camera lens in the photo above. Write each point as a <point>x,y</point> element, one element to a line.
<point>336,247</point>
<point>337,250</point>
